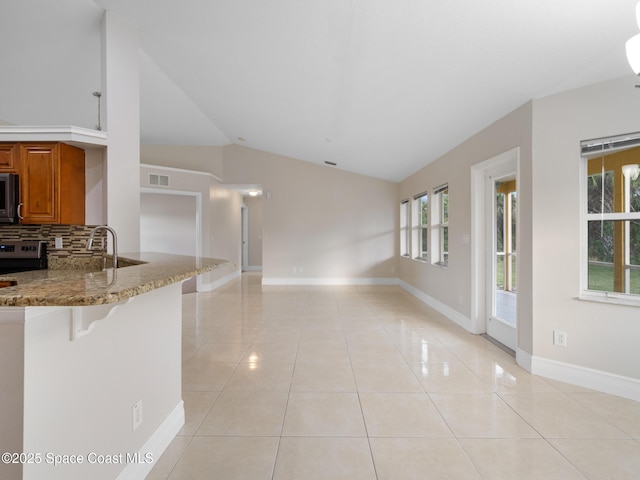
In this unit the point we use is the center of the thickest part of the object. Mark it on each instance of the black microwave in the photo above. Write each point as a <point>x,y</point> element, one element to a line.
<point>9,198</point>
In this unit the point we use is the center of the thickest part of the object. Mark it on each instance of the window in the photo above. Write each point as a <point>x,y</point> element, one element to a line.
<point>420,227</point>
<point>440,226</point>
<point>612,207</point>
<point>505,223</point>
<point>404,228</point>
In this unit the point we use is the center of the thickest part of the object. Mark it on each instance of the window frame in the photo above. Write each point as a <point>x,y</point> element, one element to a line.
<point>440,226</point>
<point>419,230</point>
<point>405,221</point>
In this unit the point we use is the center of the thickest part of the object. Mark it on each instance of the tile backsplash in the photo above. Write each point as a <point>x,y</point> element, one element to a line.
<point>74,241</point>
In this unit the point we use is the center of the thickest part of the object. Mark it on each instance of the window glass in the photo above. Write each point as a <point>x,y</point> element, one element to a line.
<point>634,260</point>
<point>440,225</point>
<point>424,210</point>
<point>500,223</point>
<point>602,265</point>
<point>600,200</point>
<point>634,195</point>
<point>420,230</point>
<point>514,210</point>
<point>445,245</point>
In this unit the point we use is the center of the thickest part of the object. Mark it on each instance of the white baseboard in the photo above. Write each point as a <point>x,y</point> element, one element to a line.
<point>254,268</point>
<point>523,359</point>
<point>452,314</point>
<point>207,287</point>
<point>155,446</point>
<point>328,281</point>
<point>586,377</point>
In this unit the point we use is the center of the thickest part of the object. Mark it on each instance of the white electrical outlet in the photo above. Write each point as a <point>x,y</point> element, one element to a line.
<point>559,338</point>
<point>136,415</point>
<point>58,242</point>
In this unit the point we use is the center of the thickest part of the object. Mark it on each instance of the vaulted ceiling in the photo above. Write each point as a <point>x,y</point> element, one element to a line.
<point>380,87</point>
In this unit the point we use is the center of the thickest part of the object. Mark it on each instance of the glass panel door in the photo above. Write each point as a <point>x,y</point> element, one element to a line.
<point>502,202</point>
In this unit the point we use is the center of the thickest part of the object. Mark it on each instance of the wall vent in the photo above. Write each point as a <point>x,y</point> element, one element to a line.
<point>158,180</point>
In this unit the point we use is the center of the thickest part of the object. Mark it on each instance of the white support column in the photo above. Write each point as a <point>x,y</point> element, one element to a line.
<point>121,110</point>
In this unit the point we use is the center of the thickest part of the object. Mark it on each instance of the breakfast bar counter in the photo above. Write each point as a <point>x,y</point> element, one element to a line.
<point>71,287</point>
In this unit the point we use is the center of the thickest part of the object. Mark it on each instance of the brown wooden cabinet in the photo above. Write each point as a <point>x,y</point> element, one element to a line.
<point>52,181</point>
<point>8,155</point>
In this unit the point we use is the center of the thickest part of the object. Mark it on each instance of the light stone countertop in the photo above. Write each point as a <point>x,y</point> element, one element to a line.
<point>80,288</point>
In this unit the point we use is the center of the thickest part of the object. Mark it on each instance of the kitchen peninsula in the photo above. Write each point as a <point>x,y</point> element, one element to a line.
<point>91,367</point>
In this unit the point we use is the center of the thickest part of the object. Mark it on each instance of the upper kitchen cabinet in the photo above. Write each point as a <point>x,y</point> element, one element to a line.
<point>52,183</point>
<point>8,155</point>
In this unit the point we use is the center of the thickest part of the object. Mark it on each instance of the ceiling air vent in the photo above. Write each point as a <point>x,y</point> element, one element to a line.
<point>158,180</point>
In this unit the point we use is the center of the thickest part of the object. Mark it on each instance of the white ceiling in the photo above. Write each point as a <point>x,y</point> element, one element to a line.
<point>380,87</point>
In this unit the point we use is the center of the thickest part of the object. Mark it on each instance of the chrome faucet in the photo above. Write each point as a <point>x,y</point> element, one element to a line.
<point>115,242</point>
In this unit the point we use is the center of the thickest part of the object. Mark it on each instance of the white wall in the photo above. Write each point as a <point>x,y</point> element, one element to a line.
<point>254,205</point>
<point>199,158</point>
<point>35,89</point>
<point>599,336</point>
<point>226,227</point>
<point>95,187</point>
<point>327,224</point>
<point>168,223</point>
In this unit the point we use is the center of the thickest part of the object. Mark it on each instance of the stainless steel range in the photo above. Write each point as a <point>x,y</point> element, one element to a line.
<point>22,255</point>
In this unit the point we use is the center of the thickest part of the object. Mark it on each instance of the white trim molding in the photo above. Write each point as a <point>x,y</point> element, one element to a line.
<point>209,286</point>
<point>153,449</point>
<point>254,268</point>
<point>85,137</point>
<point>328,281</point>
<point>524,359</point>
<point>606,382</point>
<point>452,314</point>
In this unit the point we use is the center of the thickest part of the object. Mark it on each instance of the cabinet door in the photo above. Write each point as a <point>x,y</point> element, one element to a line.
<point>38,183</point>
<point>8,158</point>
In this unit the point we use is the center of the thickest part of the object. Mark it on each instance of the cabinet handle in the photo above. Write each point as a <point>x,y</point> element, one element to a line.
<point>19,208</point>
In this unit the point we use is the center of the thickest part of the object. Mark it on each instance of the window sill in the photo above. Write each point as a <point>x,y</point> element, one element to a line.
<point>420,259</point>
<point>611,298</point>
<point>441,265</point>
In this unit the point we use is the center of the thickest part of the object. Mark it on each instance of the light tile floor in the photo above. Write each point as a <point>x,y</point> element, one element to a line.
<point>366,382</point>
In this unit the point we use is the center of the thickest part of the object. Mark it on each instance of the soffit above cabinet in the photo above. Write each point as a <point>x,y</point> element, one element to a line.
<point>78,136</point>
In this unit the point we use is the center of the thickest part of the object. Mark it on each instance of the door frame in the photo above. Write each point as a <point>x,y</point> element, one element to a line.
<point>244,236</point>
<point>479,220</point>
